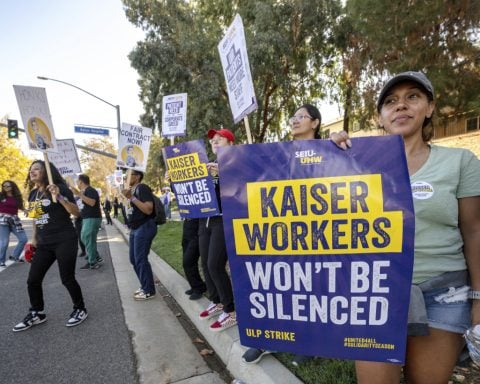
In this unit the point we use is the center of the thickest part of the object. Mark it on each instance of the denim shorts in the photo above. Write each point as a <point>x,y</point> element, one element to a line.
<point>453,317</point>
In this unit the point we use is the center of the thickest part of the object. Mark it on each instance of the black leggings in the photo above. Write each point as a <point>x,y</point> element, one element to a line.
<point>65,252</point>
<point>214,261</point>
<point>191,255</point>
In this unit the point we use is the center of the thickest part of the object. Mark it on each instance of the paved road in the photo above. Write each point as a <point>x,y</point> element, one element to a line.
<point>122,341</point>
<point>97,351</point>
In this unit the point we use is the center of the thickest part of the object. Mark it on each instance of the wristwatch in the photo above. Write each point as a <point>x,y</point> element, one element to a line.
<point>475,295</point>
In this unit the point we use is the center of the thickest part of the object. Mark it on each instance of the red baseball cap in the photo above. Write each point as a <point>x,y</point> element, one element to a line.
<point>222,132</point>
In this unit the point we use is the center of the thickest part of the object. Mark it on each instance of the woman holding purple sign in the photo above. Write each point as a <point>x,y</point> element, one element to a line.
<point>445,296</point>
<point>305,124</point>
<point>213,251</point>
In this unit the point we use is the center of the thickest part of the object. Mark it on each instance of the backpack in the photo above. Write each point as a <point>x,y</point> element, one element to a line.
<point>159,209</point>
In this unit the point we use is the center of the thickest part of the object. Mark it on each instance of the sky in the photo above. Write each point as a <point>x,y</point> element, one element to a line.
<point>85,43</point>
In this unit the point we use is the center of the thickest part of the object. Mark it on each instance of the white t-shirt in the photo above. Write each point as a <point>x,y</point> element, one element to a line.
<point>449,174</point>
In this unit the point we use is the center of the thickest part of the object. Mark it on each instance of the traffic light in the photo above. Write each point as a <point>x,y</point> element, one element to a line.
<point>12,129</point>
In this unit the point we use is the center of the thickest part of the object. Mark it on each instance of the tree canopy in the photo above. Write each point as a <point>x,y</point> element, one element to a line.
<point>97,166</point>
<point>14,163</point>
<point>439,38</point>
<point>289,44</point>
<point>302,51</point>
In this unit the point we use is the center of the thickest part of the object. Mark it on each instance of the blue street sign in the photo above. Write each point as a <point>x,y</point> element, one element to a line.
<point>91,130</point>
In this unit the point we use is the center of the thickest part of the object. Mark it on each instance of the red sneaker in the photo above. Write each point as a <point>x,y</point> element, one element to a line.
<point>212,310</point>
<point>225,321</point>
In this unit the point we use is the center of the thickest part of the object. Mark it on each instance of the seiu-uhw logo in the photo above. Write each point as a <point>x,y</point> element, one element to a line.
<point>308,157</point>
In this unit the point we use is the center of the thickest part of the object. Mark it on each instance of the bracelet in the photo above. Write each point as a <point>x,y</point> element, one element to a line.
<point>133,199</point>
<point>474,295</point>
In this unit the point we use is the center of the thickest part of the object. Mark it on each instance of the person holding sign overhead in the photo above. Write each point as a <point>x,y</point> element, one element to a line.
<point>446,273</point>
<point>213,251</point>
<point>55,239</point>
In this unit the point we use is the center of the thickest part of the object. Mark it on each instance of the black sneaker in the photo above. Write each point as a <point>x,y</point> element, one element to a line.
<point>99,259</point>
<point>195,296</point>
<point>89,266</point>
<point>189,291</point>
<point>33,318</point>
<point>253,355</point>
<point>2,265</point>
<point>77,317</point>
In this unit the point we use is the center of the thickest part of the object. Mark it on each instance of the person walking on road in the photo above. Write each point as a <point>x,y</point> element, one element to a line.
<point>11,201</point>
<point>91,220</point>
<point>55,239</point>
<point>142,231</point>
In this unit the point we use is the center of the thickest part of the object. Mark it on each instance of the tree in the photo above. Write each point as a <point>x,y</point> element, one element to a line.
<point>96,166</point>
<point>154,176</point>
<point>14,163</point>
<point>440,38</point>
<point>290,47</point>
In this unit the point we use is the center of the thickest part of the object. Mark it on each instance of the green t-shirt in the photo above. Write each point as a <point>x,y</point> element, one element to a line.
<point>449,174</point>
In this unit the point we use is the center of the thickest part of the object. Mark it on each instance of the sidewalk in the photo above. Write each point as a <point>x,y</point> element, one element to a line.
<point>164,351</point>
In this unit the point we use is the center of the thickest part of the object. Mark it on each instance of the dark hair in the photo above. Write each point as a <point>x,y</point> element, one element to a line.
<point>139,173</point>
<point>427,126</point>
<point>84,179</point>
<point>15,192</point>
<point>56,176</point>
<point>315,114</point>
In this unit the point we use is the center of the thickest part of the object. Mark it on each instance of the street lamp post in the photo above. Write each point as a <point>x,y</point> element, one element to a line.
<point>117,107</point>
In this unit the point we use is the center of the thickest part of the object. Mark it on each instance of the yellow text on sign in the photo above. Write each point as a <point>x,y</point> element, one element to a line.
<point>186,167</point>
<point>332,215</point>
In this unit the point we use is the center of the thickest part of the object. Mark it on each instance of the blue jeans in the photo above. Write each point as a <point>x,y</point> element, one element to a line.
<point>168,211</point>
<point>452,316</point>
<point>140,242</point>
<point>5,238</point>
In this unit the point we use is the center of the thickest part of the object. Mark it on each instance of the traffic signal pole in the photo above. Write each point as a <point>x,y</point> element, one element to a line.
<point>82,147</point>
